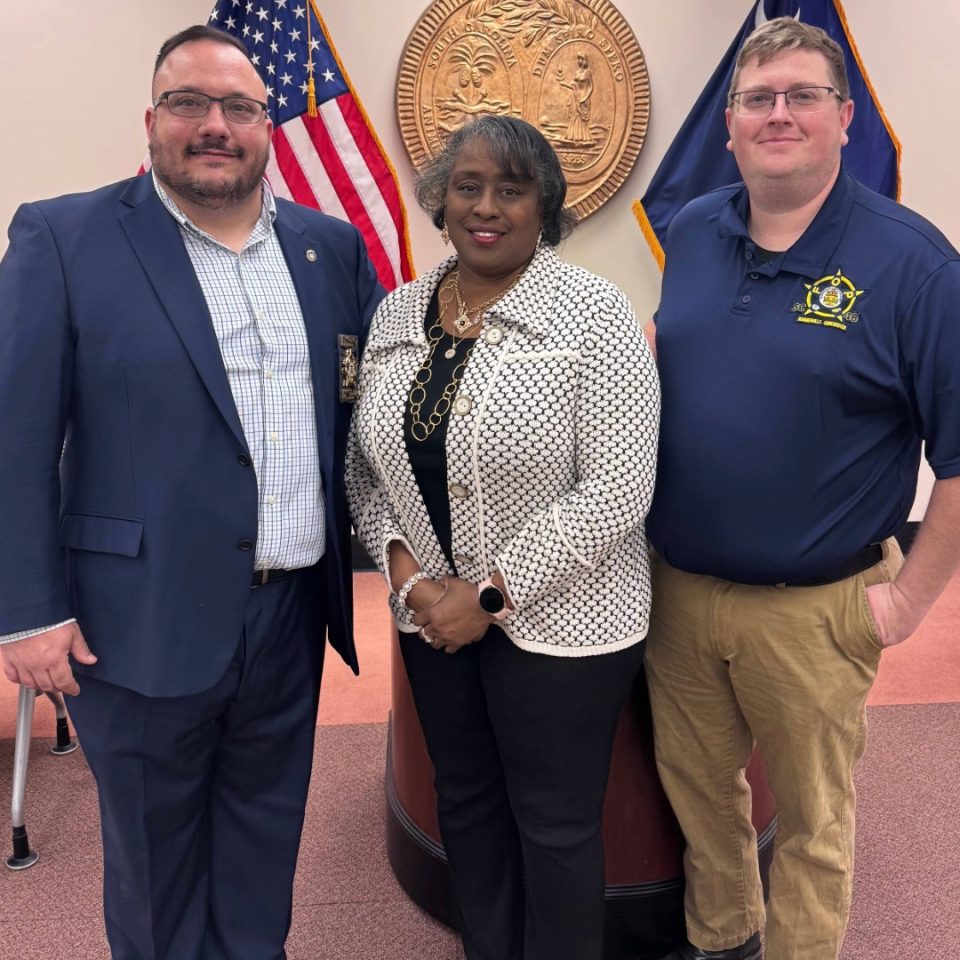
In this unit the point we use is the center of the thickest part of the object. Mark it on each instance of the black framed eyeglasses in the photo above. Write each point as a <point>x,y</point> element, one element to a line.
<point>193,105</point>
<point>798,100</point>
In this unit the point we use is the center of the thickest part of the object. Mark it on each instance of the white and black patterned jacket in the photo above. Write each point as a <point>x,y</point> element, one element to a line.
<point>551,470</point>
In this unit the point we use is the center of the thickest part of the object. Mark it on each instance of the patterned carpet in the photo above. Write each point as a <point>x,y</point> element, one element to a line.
<point>348,905</point>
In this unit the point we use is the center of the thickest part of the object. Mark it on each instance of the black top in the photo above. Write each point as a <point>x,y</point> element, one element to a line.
<point>764,255</point>
<point>428,457</point>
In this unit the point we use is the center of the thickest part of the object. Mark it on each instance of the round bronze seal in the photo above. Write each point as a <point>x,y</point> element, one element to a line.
<point>573,68</point>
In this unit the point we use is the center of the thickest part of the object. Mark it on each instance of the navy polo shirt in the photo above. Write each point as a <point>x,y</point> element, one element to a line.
<point>796,391</point>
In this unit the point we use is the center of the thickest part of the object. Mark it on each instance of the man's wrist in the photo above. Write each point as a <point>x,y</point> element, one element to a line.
<point>36,631</point>
<point>911,610</point>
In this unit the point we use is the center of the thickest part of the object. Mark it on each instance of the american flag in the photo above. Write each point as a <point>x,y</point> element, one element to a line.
<point>332,161</point>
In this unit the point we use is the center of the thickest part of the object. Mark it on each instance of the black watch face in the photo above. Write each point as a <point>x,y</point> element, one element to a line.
<point>492,600</point>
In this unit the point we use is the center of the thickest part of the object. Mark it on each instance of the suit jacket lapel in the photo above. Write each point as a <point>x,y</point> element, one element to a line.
<point>305,258</point>
<point>155,237</point>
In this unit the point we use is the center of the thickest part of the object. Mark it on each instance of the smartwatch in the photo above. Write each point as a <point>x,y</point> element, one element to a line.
<point>492,600</point>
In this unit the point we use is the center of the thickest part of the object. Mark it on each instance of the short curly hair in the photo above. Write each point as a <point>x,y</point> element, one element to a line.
<point>521,151</point>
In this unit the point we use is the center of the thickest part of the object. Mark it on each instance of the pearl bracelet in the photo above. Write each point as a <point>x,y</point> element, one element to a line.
<point>409,584</point>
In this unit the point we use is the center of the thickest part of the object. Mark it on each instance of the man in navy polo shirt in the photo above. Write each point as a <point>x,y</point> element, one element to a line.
<point>808,342</point>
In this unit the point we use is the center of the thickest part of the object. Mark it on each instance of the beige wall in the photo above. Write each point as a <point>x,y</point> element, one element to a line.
<point>75,80</point>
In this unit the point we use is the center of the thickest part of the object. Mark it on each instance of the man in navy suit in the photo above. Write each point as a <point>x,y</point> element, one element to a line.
<point>176,369</point>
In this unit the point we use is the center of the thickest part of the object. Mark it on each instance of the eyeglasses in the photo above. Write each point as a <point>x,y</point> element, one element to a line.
<point>189,103</point>
<point>798,100</point>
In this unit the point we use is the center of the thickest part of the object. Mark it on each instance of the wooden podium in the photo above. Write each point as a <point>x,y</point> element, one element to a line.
<point>642,841</point>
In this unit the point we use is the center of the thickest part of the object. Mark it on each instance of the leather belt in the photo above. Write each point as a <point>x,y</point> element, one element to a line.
<point>860,561</point>
<point>261,577</point>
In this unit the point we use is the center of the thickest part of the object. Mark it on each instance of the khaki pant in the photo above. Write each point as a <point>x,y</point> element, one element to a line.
<point>789,668</point>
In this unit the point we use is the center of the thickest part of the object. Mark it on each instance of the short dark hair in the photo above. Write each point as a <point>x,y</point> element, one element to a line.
<point>199,31</point>
<point>521,151</point>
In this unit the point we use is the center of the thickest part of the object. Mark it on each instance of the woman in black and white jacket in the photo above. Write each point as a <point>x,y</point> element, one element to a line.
<point>501,465</point>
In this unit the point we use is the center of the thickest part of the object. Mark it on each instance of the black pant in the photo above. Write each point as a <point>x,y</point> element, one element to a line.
<point>202,796</point>
<point>521,743</point>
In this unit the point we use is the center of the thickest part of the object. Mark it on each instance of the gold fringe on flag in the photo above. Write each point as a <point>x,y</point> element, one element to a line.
<point>311,86</point>
<point>647,228</point>
<point>841,14</point>
<point>404,232</point>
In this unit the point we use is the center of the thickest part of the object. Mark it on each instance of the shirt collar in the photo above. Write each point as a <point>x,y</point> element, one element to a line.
<point>262,229</point>
<point>811,254</point>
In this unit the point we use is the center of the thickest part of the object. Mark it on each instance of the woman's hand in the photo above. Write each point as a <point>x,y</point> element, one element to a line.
<point>425,593</point>
<point>404,566</point>
<point>455,618</point>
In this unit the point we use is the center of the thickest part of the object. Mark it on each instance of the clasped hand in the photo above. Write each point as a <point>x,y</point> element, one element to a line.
<point>454,618</point>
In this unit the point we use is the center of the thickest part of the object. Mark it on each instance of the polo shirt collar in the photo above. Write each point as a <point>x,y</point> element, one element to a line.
<point>812,254</point>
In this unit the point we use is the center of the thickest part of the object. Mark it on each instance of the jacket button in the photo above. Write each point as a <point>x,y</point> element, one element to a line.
<point>461,559</point>
<point>244,460</point>
<point>245,544</point>
<point>462,405</point>
<point>459,491</point>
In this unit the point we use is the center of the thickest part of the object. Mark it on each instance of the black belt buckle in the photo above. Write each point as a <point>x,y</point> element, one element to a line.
<point>860,561</point>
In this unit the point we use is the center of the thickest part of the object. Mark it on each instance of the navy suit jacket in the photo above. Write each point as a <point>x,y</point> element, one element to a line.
<point>142,529</point>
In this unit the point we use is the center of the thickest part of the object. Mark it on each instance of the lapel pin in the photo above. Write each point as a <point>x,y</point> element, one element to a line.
<point>311,255</point>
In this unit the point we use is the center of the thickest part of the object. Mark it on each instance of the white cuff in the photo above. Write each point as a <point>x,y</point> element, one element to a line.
<point>23,634</point>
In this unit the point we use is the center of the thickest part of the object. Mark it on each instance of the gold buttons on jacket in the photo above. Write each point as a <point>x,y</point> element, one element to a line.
<point>462,405</point>
<point>493,335</point>
<point>311,255</point>
<point>459,491</point>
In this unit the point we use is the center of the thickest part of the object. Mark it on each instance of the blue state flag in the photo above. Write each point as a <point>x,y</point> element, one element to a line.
<point>698,160</point>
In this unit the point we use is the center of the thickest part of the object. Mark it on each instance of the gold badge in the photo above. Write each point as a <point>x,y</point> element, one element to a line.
<point>572,68</point>
<point>349,363</point>
<point>829,302</point>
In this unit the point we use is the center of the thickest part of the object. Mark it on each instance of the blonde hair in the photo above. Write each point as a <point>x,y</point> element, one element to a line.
<point>784,34</point>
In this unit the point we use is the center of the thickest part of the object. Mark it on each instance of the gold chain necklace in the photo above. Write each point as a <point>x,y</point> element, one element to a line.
<point>421,429</point>
<point>463,323</point>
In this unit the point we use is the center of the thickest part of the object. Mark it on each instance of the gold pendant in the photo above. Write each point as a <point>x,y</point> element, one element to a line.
<point>450,352</point>
<point>462,323</point>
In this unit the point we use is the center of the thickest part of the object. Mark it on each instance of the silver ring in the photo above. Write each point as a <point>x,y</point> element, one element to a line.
<point>424,637</point>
